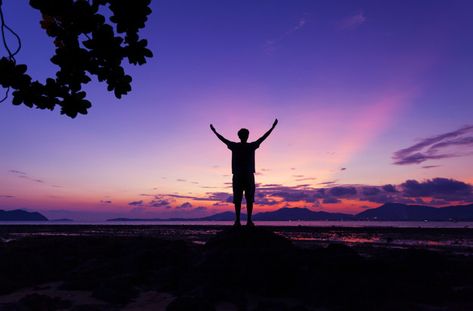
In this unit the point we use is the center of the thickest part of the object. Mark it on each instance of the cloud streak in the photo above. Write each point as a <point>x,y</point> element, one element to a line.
<point>17,172</point>
<point>160,202</point>
<point>271,45</point>
<point>186,205</point>
<point>439,188</point>
<point>6,196</point>
<point>136,203</point>
<point>453,144</point>
<point>24,175</point>
<point>352,22</point>
<point>435,192</point>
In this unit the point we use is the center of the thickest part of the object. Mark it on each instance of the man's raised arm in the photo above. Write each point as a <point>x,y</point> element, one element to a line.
<point>262,138</point>
<point>223,139</point>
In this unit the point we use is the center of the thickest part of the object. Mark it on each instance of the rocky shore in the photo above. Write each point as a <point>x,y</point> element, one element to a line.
<point>236,269</point>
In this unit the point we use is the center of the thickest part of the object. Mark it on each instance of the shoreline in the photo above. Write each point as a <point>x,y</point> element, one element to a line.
<point>442,239</point>
<point>117,268</point>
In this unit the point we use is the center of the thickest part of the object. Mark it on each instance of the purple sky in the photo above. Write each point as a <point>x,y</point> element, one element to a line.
<point>368,94</point>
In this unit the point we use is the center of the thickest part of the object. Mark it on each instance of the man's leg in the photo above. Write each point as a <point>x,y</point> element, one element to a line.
<point>250,198</point>
<point>237,197</point>
<point>249,209</point>
<point>237,213</point>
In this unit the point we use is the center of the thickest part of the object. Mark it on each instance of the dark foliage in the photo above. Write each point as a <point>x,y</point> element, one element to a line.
<point>86,45</point>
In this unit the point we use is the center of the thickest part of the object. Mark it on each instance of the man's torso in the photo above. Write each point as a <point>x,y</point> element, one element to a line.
<point>243,157</point>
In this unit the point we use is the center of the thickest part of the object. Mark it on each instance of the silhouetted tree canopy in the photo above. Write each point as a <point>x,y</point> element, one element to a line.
<point>87,44</point>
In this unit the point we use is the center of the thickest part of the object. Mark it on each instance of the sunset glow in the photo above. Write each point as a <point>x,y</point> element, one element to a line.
<point>353,85</point>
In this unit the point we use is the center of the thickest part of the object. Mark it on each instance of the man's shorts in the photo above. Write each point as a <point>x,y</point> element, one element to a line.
<point>246,183</point>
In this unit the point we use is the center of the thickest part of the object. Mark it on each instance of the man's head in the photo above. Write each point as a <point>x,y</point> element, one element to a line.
<point>243,134</point>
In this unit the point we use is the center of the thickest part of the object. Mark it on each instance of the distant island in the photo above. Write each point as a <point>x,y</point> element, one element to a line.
<point>21,215</point>
<point>385,212</point>
<point>225,216</point>
<point>403,212</point>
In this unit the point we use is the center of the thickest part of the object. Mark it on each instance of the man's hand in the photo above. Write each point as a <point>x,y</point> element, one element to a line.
<point>212,127</point>
<point>275,123</point>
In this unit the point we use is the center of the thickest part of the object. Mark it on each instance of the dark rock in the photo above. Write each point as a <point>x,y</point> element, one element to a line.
<point>94,307</point>
<point>110,267</point>
<point>248,238</point>
<point>117,290</point>
<point>342,251</point>
<point>271,306</point>
<point>190,304</point>
<point>249,258</point>
<point>37,302</point>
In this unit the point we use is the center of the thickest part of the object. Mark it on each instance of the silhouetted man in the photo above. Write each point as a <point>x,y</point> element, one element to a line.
<point>243,169</point>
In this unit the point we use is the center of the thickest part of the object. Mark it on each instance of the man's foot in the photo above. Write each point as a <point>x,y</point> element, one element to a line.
<point>250,224</point>
<point>237,224</point>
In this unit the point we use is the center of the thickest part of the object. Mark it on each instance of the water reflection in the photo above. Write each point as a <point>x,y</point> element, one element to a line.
<point>395,237</point>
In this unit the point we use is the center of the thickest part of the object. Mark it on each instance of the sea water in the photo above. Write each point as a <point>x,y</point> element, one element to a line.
<point>350,224</point>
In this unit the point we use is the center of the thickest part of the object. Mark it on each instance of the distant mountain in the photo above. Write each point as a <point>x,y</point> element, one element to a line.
<point>403,212</point>
<point>148,219</point>
<point>282,214</point>
<point>388,212</point>
<point>136,219</point>
<point>298,213</point>
<point>62,220</point>
<point>225,216</point>
<point>21,215</point>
